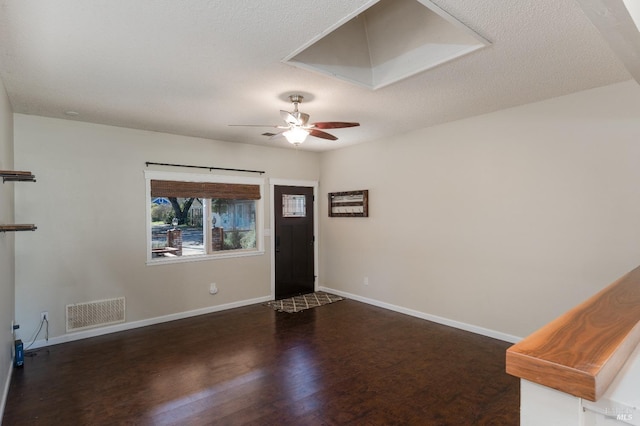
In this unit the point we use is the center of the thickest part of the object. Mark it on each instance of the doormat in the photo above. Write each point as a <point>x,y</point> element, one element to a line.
<point>306,301</point>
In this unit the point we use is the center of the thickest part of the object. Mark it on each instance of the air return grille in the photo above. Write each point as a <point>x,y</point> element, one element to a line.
<point>96,313</point>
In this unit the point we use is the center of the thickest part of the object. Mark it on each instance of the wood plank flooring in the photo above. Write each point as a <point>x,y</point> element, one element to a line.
<point>344,363</point>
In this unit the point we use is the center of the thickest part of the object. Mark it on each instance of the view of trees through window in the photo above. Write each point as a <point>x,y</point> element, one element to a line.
<point>178,225</point>
<point>237,219</point>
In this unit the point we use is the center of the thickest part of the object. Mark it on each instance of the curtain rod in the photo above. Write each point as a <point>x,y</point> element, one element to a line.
<point>149,163</point>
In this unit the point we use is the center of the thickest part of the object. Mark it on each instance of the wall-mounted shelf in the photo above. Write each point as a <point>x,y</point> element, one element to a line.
<point>349,204</point>
<point>14,228</point>
<point>16,176</point>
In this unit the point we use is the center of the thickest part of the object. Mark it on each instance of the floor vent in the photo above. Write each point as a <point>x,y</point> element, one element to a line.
<point>94,314</point>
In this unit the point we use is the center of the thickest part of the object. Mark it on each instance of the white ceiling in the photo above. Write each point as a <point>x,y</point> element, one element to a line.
<point>192,67</point>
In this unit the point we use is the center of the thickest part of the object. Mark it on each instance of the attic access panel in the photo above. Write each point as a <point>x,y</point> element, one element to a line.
<point>386,42</point>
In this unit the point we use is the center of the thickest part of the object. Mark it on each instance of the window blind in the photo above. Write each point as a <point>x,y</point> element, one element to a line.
<point>229,191</point>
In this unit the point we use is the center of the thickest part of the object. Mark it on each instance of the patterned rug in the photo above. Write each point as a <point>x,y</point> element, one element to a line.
<point>306,301</point>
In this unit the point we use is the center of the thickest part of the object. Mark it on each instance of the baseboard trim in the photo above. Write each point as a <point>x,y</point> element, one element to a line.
<point>85,334</point>
<point>434,318</point>
<point>5,393</point>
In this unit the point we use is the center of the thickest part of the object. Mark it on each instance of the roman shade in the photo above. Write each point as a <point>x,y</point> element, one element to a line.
<point>229,191</point>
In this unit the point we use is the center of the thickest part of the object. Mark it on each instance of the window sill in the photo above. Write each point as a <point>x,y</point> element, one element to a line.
<point>198,258</point>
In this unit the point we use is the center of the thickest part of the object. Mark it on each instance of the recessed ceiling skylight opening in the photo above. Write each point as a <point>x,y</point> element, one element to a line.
<point>388,42</point>
<point>633,6</point>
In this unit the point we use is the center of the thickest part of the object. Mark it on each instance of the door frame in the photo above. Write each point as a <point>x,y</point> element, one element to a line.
<point>273,182</point>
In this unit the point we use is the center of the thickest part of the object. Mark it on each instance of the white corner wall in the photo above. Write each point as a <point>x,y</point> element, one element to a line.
<point>503,221</point>
<point>89,206</point>
<point>7,277</point>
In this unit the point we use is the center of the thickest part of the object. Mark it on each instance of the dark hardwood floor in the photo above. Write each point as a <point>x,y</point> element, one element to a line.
<point>344,363</point>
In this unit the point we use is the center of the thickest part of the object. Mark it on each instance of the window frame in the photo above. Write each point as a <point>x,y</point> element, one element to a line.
<point>197,177</point>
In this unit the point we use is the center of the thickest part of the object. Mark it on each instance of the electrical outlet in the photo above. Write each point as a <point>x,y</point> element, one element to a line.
<point>366,281</point>
<point>44,316</point>
<point>213,289</point>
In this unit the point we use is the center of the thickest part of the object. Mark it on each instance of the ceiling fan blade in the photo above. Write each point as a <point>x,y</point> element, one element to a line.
<point>303,118</point>
<point>321,134</point>
<point>276,126</point>
<point>276,136</point>
<point>333,124</point>
<point>289,117</point>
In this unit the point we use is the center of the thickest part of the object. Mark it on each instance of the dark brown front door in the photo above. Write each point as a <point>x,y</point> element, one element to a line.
<point>294,240</point>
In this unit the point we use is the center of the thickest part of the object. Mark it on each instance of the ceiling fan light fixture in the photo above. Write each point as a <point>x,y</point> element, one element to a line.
<point>296,126</point>
<point>296,135</point>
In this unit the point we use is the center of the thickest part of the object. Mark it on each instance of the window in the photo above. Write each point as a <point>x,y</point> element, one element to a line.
<point>194,217</point>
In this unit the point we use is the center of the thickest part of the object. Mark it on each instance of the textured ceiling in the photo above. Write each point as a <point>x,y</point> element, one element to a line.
<point>192,67</point>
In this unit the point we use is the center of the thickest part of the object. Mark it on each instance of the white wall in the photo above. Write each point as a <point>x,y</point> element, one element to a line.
<point>6,246</point>
<point>502,221</point>
<point>89,206</point>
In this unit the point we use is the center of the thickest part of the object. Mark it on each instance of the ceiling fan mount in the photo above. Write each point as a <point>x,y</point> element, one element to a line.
<point>297,127</point>
<point>296,99</point>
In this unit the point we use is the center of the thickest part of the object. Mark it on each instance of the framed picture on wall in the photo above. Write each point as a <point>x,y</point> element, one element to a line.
<point>349,204</point>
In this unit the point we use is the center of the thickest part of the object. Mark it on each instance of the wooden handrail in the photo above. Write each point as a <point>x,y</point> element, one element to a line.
<point>581,352</point>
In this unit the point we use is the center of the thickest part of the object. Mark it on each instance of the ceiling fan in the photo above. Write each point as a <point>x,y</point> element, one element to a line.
<point>297,126</point>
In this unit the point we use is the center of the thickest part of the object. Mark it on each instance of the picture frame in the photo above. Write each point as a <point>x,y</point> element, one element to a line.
<point>349,203</point>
